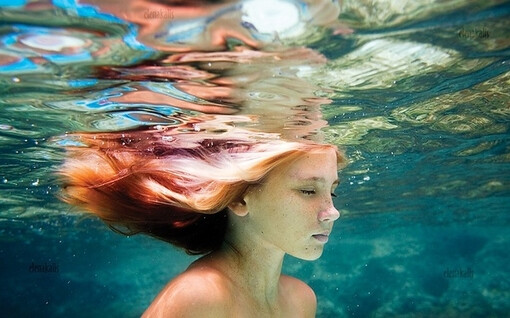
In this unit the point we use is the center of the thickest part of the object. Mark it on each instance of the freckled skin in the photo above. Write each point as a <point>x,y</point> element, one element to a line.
<point>291,205</point>
<point>243,278</point>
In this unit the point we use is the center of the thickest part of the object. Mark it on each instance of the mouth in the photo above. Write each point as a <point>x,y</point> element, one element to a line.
<point>323,238</point>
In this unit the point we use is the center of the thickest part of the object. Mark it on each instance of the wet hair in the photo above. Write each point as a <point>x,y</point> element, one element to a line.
<point>174,187</point>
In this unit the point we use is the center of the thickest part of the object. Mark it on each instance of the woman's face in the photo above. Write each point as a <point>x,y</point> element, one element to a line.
<point>293,209</point>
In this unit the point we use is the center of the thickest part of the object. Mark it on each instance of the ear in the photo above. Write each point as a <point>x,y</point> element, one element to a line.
<point>239,208</point>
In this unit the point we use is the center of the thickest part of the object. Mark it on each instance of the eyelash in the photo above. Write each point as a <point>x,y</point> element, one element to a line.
<point>312,192</point>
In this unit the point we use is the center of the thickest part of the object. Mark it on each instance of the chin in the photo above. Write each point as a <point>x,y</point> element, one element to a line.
<point>310,254</point>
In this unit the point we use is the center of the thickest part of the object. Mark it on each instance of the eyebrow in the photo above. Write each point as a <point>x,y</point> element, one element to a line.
<point>316,179</point>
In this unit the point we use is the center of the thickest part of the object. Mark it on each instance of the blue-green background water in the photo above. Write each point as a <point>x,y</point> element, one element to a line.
<point>420,103</point>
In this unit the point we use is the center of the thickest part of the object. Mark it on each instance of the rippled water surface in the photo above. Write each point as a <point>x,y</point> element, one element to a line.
<point>416,92</point>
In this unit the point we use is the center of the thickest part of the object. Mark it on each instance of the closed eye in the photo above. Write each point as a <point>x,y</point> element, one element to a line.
<point>333,195</point>
<point>308,192</point>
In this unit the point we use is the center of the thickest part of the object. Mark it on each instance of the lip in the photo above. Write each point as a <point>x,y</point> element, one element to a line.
<point>321,237</point>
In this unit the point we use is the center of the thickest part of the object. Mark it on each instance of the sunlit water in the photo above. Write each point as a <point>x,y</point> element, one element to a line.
<point>416,92</point>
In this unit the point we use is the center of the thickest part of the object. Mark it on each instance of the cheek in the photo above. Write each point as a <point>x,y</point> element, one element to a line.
<point>290,203</point>
<point>297,213</point>
<point>281,214</point>
<point>275,198</point>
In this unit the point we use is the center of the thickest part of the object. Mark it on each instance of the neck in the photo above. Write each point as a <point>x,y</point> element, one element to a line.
<point>255,266</point>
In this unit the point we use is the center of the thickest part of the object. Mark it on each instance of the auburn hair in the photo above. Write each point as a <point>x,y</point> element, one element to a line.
<point>174,187</point>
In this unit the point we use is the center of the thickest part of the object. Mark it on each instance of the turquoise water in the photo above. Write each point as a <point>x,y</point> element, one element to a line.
<point>416,93</point>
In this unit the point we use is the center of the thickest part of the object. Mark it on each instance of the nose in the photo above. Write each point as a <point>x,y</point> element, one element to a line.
<point>329,214</point>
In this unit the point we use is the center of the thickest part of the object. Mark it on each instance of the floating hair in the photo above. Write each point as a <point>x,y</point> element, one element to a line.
<point>176,188</point>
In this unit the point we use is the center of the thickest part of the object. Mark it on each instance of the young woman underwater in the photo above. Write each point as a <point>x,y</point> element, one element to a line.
<point>243,202</point>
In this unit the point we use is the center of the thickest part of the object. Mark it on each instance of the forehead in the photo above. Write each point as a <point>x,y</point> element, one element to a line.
<point>315,165</point>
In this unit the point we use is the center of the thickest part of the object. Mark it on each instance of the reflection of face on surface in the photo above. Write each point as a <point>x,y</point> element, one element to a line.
<point>294,205</point>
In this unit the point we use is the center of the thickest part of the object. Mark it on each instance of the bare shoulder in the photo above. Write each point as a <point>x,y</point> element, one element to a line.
<point>198,292</point>
<point>303,296</point>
